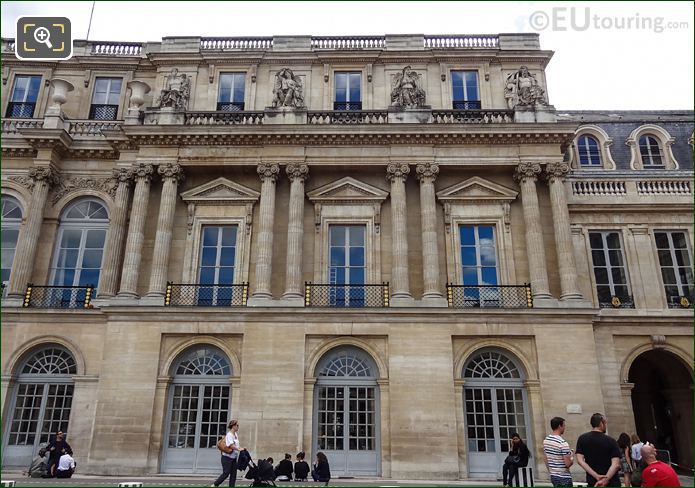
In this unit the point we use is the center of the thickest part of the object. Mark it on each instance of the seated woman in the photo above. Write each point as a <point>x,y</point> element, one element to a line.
<point>321,471</point>
<point>518,458</point>
<point>301,468</point>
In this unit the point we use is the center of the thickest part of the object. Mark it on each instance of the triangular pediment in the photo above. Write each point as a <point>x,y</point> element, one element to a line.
<point>347,189</point>
<point>477,188</point>
<point>220,190</point>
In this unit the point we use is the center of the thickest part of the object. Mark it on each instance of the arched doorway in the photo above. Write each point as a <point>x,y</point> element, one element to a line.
<point>199,406</point>
<point>41,403</point>
<point>662,402</point>
<point>495,407</point>
<point>346,422</point>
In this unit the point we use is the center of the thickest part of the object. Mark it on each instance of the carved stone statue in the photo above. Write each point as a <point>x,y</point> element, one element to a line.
<point>288,90</point>
<point>406,90</point>
<point>522,89</point>
<point>177,92</point>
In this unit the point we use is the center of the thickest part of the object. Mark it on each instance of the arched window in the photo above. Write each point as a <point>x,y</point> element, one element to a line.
<point>41,404</point>
<point>589,151</point>
<point>80,246</point>
<point>346,364</point>
<point>650,151</point>
<point>11,222</point>
<point>491,364</point>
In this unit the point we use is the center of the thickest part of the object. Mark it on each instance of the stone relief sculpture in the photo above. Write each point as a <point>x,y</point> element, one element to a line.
<point>522,89</point>
<point>406,90</point>
<point>177,92</point>
<point>288,90</point>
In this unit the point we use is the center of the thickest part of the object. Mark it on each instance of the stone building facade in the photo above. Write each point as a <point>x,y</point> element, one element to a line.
<point>381,247</point>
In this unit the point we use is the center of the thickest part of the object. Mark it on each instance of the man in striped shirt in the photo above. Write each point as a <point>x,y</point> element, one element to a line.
<point>557,454</point>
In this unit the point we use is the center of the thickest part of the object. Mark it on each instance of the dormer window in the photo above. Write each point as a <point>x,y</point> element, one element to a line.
<point>589,151</point>
<point>650,151</point>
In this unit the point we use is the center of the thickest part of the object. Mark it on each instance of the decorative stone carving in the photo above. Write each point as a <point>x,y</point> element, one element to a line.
<point>427,170</point>
<point>556,170</point>
<point>406,90</point>
<point>288,90</point>
<point>69,185</point>
<point>397,171</point>
<point>142,170</point>
<point>658,341</point>
<point>527,170</point>
<point>36,174</point>
<point>522,89</point>
<point>297,171</point>
<point>23,180</point>
<point>271,171</point>
<point>122,175</point>
<point>177,92</point>
<point>170,170</point>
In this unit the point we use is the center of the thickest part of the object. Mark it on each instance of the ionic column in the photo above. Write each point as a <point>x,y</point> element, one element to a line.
<point>269,174</point>
<point>527,174</point>
<point>555,173</point>
<point>397,174</point>
<point>171,175</point>
<point>298,174</point>
<point>42,178</point>
<point>114,244</point>
<point>427,173</point>
<point>136,231</point>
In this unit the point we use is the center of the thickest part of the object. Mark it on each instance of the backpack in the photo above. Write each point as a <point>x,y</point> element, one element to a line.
<point>222,445</point>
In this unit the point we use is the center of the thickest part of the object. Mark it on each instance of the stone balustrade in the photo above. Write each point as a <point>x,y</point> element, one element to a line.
<point>92,127</point>
<point>348,42</point>
<point>12,126</point>
<point>220,43</point>
<point>591,188</point>
<point>347,117</point>
<point>462,42</point>
<point>472,116</point>
<point>116,48</point>
<point>630,187</point>
<point>223,118</point>
<point>664,187</point>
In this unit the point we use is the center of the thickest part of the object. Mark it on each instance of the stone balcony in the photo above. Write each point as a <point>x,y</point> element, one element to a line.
<point>644,188</point>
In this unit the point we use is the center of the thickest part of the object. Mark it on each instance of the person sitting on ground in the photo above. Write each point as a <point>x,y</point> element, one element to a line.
<point>322,470</point>
<point>301,468</point>
<point>66,465</point>
<point>657,473</point>
<point>283,471</point>
<point>38,465</point>
<point>271,461</point>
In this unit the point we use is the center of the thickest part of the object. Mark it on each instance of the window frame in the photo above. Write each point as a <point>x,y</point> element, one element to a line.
<point>349,104</point>
<point>11,224</point>
<point>468,104</point>
<point>674,266</point>
<point>609,267</point>
<point>218,253</point>
<point>479,266</point>
<point>240,104</point>
<point>591,164</point>
<point>11,101</point>
<point>121,95</point>
<point>649,163</point>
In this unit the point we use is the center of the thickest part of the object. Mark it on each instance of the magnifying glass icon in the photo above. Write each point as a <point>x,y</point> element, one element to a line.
<point>43,36</point>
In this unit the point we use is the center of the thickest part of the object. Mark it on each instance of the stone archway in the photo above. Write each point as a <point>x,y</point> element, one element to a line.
<point>662,402</point>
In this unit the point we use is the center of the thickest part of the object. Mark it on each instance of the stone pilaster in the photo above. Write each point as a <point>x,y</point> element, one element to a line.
<point>41,179</point>
<point>527,175</point>
<point>555,174</point>
<point>397,173</point>
<point>113,249</point>
<point>298,174</point>
<point>136,231</point>
<point>427,173</point>
<point>269,174</point>
<point>171,175</point>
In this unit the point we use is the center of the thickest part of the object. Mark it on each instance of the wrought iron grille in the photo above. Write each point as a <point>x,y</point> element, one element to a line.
<point>680,301</point>
<point>347,105</point>
<point>487,296</point>
<point>200,295</point>
<point>619,301</point>
<point>346,296</point>
<point>20,110</point>
<point>230,106</point>
<point>103,112</point>
<point>466,105</point>
<point>59,296</point>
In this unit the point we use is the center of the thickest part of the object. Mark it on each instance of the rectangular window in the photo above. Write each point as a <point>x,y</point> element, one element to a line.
<point>347,265</point>
<point>25,92</point>
<point>479,265</point>
<point>610,269</point>
<point>465,90</point>
<point>217,262</point>
<point>348,94</point>
<point>676,266</point>
<point>9,246</point>
<point>107,94</point>
<point>231,95</point>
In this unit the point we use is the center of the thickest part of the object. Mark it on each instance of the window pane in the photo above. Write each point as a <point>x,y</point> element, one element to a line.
<point>210,236</point>
<point>227,255</point>
<point>489,276</point>
<point>467,235</point>
<point>95,239</point>
<point>71,238</point>
<point>92,259</point>
<point>33,90</point>
<point>9,238</point>
<point>357,276</point>
<point>207,276</point>
<point>226,275</point>
<point>337,235</point>
<point>225,87</point>
<point>238,91</point>
<point>487,256</point>
<point>20,88</point>
<point>468,256</point>
<point>229,236</point>
<point>470,276</point>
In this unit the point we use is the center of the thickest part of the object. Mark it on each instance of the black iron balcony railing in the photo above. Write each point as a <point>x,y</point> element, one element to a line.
<point>618,301</point>
<point>230,106</point>
<point>204,295</point>
<point>466,105</point>
<point>347,105</point>
<point>489,296</point>
<point>20,110</point>
<point>680,301</point>
<point>103,112</point>
<point>346,296</point>
<point>39,296</point>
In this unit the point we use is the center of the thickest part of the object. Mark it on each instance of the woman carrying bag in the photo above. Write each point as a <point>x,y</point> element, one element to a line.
<point>229,446</point>
<point>518,458</point>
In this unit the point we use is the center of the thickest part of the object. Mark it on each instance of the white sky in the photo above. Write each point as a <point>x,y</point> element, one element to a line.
<point>592,69</point>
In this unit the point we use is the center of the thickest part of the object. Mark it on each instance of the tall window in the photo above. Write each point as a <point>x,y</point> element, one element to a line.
<point>107,94</point>
<point>11,222</point>
<point>589,152</point>
<point>231,96</point>
<point>217,261</point>
<point>650,151</point>
<point>610,269</point>
<point>478,255</point>
<point>676,266</point>
<point>465,90</point>
<point>347,264</point>
<point>81,238</point>
<point>25,92</point>
<point>348,91</point>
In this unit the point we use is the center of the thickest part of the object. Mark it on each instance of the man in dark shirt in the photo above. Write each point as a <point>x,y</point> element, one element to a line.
<point>598,454</point>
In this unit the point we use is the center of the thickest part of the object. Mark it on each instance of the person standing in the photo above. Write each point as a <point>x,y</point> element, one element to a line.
<point>635,451</point>
<point>626,465</point>
<point>557,454</point>
<point>598,454</point>
<point>230,455</point>
<point>517,458</point>
<point>657,473</point>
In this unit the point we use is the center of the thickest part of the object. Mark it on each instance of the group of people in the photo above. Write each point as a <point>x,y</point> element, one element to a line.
<point>234,457</point>
<point>60,463</point>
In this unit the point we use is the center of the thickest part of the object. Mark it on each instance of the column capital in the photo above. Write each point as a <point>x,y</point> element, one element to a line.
<point>171,171</point>
<point>297,171</point>
<point>122,175</point>
<point>527,170</point>
<point>143,170</point>
<point>397,171</point>
<point>556,171</point>
<point>268,171</point>
<point>427,171</point>
<point>46,174</point>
